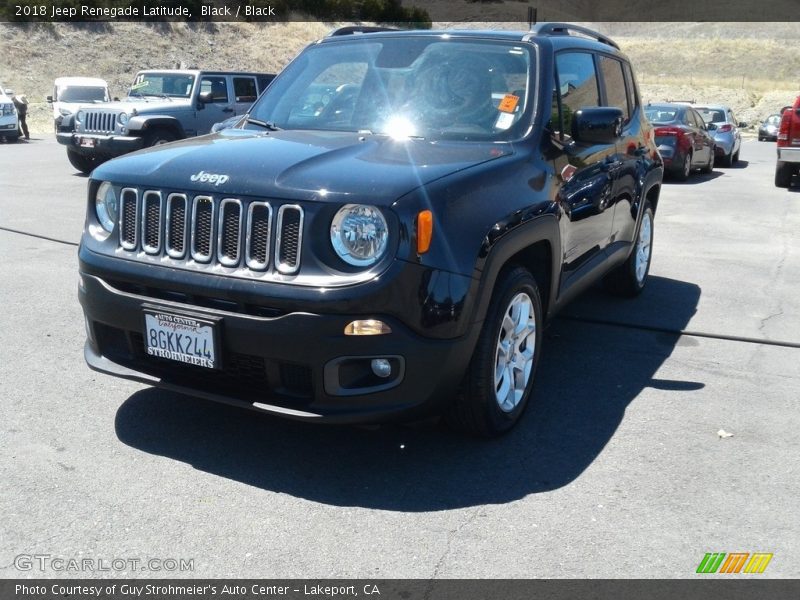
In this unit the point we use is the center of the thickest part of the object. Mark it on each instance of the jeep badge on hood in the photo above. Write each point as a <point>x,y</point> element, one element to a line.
<point>214,178</point>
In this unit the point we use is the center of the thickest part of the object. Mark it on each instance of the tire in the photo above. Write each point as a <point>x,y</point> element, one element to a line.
<point>735,157</point>
<point>83,163</point>
<point>630,277</point>
<point>489,404</point>
<point>783,174</point>
<point>682,174</point>
<point>727,160</point>
<point>158,137</point>
<point>710,165</point>
<point>761,138</point>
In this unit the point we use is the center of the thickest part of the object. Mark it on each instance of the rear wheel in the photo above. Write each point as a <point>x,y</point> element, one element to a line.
<point>83,163</point>
<point>682,174</point>
<point>727,159</point>
<point>630,277</point>
<point>735,157</point>
<point>783,174</point>
<point>499,379</point>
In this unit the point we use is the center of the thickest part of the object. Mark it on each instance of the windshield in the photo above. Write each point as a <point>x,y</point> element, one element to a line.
<point>82,93</point>
<point>171,85</point>
<point>405,87</point>
<point>661,114</point>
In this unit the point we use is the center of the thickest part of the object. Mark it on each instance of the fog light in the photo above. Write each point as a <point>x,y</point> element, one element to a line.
<point>367,327</point>
<point>381,367</point>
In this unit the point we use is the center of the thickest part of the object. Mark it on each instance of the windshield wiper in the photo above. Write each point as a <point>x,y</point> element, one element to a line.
<point>269,125</point>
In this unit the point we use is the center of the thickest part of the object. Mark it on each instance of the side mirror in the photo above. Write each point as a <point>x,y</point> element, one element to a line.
<point>49,99</point>
<point>742,124</point>
<point>204,98</point>
<point>597,125</point>
<point>9,92</point>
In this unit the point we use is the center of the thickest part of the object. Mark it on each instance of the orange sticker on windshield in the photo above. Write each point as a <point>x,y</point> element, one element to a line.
<point>508,103</point>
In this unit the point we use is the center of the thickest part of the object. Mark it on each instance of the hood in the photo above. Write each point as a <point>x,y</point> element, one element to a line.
<point>147,104</point>
<point>300,165</point>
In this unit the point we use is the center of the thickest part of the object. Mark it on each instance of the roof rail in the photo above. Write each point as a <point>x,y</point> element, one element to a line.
<point>556,28</point>
<point>354,29</point>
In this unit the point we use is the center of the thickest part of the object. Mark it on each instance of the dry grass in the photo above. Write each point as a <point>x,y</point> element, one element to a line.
<point>754,67</point>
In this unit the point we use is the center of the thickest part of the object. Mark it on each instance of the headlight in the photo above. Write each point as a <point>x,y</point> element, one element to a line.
<point>359,234</point>
<point>106,207</point>
<point>79,115</point>
<point>122,118</point>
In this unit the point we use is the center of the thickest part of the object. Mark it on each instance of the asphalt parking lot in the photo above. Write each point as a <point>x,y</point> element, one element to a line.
<point>617,470</point>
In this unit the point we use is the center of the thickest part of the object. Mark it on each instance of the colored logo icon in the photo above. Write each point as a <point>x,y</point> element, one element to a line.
<point>734,562</point>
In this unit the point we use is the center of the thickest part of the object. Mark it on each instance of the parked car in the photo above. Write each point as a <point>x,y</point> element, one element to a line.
<point>70,92</point>
<point>768,130</point>
<point>788,146</point>
<point>389,255</point>
<point>724,126</point>
<point>162,106</point>
<point>9,120</point>
<point>682,138</point>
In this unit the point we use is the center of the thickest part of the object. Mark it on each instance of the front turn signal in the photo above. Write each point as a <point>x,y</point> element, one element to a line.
<point>424,231</point>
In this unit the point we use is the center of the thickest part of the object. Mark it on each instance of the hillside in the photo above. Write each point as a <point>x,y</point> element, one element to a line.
<point>754,67</point>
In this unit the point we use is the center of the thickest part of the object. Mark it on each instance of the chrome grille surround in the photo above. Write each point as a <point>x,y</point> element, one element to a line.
<point>289,240</point>
<point>128,222</point>
<point>229,206</point>
<point>253,252</point>
<point>151,203</point>
<point>202,241</point>
<point>252,235</point>
<point>176,248</point>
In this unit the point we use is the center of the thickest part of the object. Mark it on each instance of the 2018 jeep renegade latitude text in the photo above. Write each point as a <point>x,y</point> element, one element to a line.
<point>386,234</point>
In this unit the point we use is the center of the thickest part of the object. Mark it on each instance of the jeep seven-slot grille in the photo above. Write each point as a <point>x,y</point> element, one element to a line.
<point>99,122</point>
<point>226,231</point>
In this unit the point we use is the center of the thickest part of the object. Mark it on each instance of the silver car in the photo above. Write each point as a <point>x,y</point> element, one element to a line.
<point>723,125</point>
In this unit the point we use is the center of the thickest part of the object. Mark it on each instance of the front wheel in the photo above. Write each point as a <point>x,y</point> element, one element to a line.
<point>158,137</point>
<point>499,380</point>
<point>630,277</point>
<point>83,163</point>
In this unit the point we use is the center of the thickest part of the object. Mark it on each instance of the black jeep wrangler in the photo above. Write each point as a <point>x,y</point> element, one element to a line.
<point>384,234</point>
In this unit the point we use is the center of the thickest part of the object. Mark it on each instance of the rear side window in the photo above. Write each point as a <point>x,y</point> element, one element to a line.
<point>614,79</point>
<point>244,88</point>
<point>576,88</point>
<point>630,87</point>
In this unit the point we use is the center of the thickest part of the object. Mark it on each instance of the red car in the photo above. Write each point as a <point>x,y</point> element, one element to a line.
<point>682,138</point>
<point>788,145</point>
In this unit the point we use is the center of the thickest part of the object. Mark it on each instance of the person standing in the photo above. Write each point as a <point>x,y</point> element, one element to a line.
<point>21,103</point>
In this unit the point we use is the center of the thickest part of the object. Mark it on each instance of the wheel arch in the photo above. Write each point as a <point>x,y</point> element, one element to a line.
<point>145,124</point>
<point>535,245</point>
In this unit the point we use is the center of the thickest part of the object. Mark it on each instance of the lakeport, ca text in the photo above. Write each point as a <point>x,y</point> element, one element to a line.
<point>55,11</point>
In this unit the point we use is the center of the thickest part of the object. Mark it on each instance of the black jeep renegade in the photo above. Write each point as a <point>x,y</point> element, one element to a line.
<point>384,234</point>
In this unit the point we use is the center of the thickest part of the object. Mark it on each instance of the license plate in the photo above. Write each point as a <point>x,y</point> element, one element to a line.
<point>87,143</point>
<point>180,338</point>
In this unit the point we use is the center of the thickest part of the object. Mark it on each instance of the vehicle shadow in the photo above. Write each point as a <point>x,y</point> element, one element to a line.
<point>589,374</point>
<point>695,178</point>
<point>739,164</point>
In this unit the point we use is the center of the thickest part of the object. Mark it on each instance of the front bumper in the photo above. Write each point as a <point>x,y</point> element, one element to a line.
<point>789,154</point>
<point>296,364</point>
<point>105,145</point>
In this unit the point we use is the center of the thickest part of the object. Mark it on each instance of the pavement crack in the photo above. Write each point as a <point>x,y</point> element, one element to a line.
<point>451,536</point>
